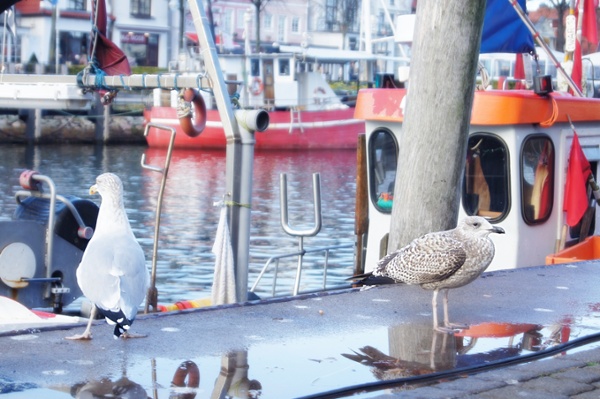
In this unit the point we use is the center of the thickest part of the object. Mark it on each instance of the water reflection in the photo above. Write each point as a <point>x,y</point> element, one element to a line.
<point>416,350</point>
<point>232,382</point>
<point>301,365</point>
<point>189,219</point>
<point>121,388</point>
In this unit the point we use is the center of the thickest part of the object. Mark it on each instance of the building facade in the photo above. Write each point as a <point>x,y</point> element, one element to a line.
<point>156,32</point>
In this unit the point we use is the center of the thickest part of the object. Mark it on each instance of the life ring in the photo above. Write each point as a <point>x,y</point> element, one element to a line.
<point>187,369</point>
<point>192,127</point>
<point>257,86</point>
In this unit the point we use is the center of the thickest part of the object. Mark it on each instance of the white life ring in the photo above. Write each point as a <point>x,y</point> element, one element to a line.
<point>256,88</point>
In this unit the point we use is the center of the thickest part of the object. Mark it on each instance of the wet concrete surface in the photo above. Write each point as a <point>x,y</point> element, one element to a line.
<point>312,344</point>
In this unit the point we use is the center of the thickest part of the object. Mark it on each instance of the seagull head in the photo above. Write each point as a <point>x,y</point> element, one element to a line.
<point>478,226</point>
<point>108,185</point>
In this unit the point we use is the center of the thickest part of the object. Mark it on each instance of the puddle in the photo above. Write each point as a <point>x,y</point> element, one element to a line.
<point>304,366</point>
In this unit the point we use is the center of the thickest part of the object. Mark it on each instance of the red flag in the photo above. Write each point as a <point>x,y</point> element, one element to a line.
<point>589,31</point>
<point>576,199</point>
<point>589,25</point>
<point>519,73</point>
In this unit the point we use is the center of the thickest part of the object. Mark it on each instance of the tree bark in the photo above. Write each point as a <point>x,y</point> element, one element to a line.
<point>432,146</point>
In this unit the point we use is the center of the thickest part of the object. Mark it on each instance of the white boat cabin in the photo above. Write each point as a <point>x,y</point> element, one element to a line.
<point>517,157</point>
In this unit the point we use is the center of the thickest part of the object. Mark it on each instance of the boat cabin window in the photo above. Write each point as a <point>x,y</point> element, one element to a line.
<point>284,67</point>
<point>485,182</point>
<point>537,179</point>
<point>383,157</point>
<point>254,67</point>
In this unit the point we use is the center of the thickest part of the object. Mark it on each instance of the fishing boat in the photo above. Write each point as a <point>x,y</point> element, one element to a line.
<point>532,162</point>
<point>304,111</point>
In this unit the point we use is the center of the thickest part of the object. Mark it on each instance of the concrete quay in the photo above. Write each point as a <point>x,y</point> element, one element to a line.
<point>313,346</point>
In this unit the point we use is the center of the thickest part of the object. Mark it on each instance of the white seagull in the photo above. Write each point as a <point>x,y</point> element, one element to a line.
<point>439,261</point>
<point>112,273</point>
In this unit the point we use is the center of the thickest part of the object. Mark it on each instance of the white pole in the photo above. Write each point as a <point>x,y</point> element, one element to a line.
<point>2,66</point>
<point>57,42</point>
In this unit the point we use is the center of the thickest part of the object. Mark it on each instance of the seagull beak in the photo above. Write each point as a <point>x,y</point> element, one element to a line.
<point>498,229</point>
<point>93,189</point>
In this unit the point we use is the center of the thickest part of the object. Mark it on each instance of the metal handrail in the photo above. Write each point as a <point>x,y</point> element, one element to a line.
<point>277,258</point>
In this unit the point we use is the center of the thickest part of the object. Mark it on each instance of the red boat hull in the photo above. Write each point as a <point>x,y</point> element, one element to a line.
<point>330,129</point>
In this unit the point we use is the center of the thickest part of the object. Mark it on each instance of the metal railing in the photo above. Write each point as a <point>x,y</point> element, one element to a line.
<point>274,260</point>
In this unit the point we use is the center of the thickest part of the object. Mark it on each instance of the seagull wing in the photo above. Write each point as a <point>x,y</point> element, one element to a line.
<point>432,257</point>
<point>113,274</point>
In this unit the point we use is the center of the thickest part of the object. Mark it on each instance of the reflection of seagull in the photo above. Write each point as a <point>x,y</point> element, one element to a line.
<point>386,367</point>
<point>440,260</point>
<point>112,273</point>
<point>123,388</point>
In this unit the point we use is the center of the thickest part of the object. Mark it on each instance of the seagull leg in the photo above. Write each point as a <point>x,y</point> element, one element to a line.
<point>445,329</point>
<point>87,334</point>
<point>434,309</point>
<point>447,324</point>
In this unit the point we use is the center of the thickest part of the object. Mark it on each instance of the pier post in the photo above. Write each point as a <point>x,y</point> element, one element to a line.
<point>100,114</point>
<point>33,126</point>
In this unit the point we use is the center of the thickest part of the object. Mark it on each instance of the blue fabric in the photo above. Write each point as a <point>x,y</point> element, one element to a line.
<point>503,29</point>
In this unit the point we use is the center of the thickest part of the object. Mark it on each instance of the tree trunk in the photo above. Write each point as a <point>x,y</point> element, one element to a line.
<point>257,26</point>
<point>432,147</point>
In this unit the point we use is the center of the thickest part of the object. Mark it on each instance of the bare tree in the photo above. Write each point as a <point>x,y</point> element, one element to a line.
<point>347,16</point>
<point>561,7</point>
<point>259,6</point>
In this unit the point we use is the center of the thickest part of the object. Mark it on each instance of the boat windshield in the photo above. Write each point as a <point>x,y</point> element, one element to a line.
<point>383,156</point>
<point>537,178</point>
<point>485,184</point>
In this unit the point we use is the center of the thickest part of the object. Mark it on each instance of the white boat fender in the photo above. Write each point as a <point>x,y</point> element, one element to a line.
<point>192,123</point>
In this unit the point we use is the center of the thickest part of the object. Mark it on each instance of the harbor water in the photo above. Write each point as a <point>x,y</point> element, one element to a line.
<point>189,218</point>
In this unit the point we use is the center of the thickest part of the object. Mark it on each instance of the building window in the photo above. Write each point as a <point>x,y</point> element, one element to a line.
<point>141,8</point>
<point>240,19</point>
<point>485,183</point>
<point>227,22</point>
<point>281,34</point>
<point>383,159</point>
<point>330,14</point>
<point>254,67</point>
<point>141,48</point>
<point>74,47</point>
<point>537,178</point>
<point>268,21</point>
<point>78,5</point>
<point>295,24</point>
<point>284,67</point>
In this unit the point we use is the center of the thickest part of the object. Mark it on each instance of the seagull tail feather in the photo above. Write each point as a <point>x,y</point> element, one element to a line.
<point>370,279</point>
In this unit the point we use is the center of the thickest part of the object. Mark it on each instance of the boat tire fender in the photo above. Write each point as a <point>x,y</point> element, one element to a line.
<point>256,88</point>
<point>189,370</point>
<point>193,125</point>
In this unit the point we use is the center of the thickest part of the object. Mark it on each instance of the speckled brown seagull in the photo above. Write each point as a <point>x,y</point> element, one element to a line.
<point>439,261</point>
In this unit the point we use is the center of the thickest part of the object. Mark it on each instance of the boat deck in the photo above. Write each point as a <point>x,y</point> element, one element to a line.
<point>294,348</point>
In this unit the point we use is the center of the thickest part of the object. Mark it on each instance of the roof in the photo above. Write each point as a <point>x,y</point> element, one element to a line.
<point>492,107</point>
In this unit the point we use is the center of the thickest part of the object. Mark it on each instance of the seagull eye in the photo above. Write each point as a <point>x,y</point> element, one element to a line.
<point>476,224</point>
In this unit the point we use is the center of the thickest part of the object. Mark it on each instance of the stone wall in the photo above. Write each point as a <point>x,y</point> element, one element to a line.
<point>72,129</point>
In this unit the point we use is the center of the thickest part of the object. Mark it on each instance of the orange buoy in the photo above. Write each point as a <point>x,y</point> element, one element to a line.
<point>193,126</point>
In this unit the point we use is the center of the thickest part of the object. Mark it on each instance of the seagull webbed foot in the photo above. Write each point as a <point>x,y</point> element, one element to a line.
<point>127,335</point>
<point>445,330</point>
<point>85,336</point>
